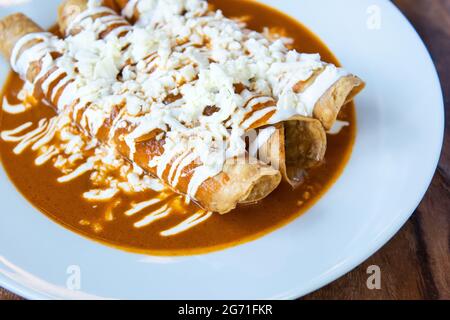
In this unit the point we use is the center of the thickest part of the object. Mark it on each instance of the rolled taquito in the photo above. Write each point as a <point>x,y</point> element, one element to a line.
<point>39,58</point>
<point>295,146</point>
<point>292,146</point>
<point>262,110</point>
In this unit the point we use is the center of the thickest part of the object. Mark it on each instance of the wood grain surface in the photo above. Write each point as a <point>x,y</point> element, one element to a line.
<point>415,264</point>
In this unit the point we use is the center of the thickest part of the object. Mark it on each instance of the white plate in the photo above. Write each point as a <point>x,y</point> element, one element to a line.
<point>400,132</point>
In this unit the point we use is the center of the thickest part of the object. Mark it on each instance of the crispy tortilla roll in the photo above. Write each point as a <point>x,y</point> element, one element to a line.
<point>295,146</point>
<point>68,11</point>
<point>239,181</point>
<point>303,140</point>
<point>329,105</point>
<point>309,135</point>
<point>305,145</point>
<point>12,28</point>
<point>71,14</point>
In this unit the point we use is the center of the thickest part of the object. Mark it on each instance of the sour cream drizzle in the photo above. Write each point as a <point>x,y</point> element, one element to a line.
<point>187,224</point>
<point>13,108</point>
<point>158,214</point>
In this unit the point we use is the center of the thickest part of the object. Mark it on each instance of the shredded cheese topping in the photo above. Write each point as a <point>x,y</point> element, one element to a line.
<point>176,72</point>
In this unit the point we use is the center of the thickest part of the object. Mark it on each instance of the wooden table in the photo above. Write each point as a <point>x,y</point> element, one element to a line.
<point>415,264</point>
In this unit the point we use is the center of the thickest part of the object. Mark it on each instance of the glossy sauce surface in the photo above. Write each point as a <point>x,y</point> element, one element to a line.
<point>63,202</point>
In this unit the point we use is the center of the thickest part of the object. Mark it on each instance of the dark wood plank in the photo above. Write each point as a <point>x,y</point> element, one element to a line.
<point>415,264</point>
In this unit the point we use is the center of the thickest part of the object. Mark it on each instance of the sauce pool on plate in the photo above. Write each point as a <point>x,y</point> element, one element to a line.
<point>114,223</point>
